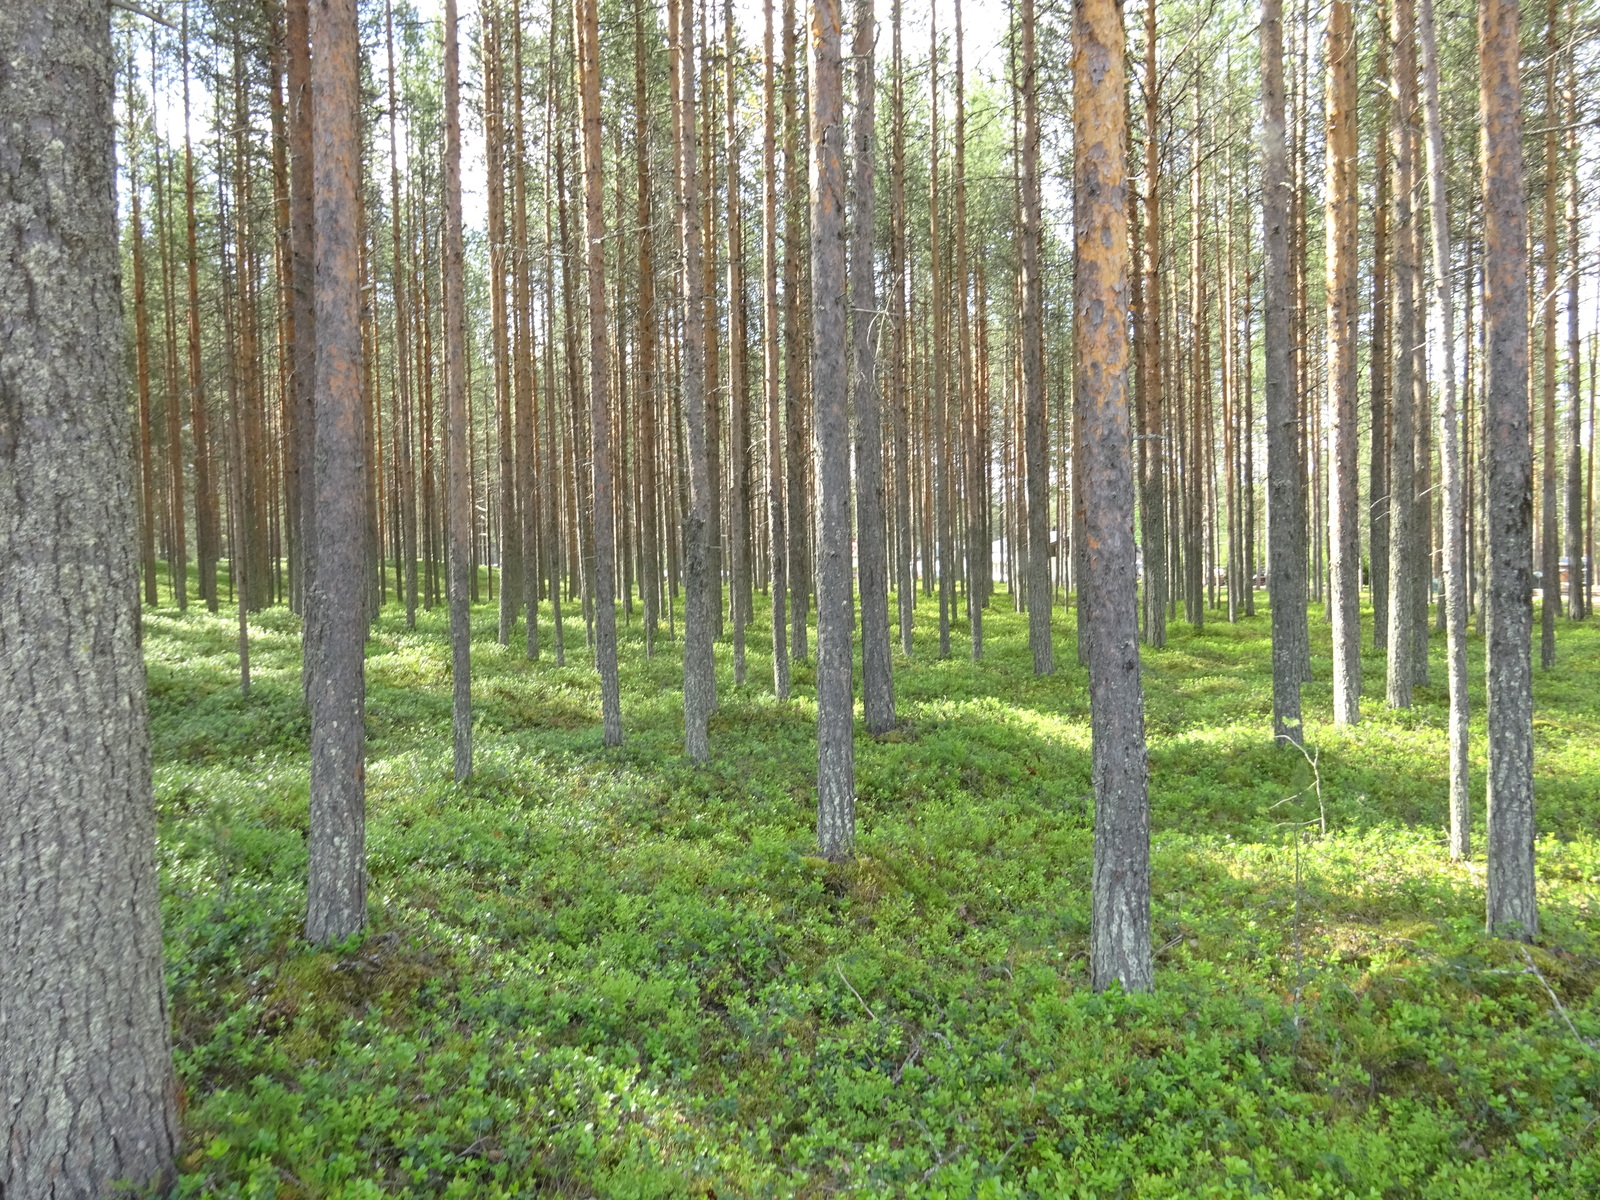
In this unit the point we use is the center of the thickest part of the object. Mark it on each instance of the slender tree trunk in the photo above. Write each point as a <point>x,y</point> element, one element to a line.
<point>205,500</point>
<point>699,677</point>
<point>777,543</point>
<point>1549,535</point>
<point>739,542</point>
<point>587,21</point>
<point>405,473</point>
<point>458,508</point>
<point>337,887</point>
<point>799,516</point>
<point>1578,596</point>
<point>303,315</point>
<point>1036,449</point>
<point>1152,442</point>
<point>85,1059</point>
<point>1119,950</point>
<point>647,317</point>
<point>1404,570</point>
<point>1286,525</point>
<point>905,586</point>
<point>877,685</point>
<point>1378,506</point>
<point>1512,909</point>
<point>1453,533</point>
<point>1343,509</point>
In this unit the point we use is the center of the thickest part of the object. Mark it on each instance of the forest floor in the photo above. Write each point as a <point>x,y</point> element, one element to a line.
<point>597,972</point>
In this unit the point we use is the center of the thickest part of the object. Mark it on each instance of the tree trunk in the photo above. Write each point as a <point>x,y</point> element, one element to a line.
<point>1036,451</point>
<point>85,1063</point>
<point>1343,506</point>
<point>739,541</point>
<point>1549,535</point>
<point>1378,461</point>
<point>877,684</point>
<point>799,515</point>
<point>1286,525</point>
<point>1453,533</point>
<point>836,818</point>
<point>605,612</point>
<point>1578,599</point>
<point>777,543</point>
<point>1404,570</point>
<point>1512,909</point>
<point>905,587</point>
<point>337,888</point>
<point>1119,949</point>
<point>699,677</point>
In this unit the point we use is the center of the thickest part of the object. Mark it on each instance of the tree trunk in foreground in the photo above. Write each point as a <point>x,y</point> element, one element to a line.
<point>836,773</point>
<point>1119,940</point>
<point>85,1064</point>
<point>336,902</point>
<point>1286,546</point>
<point>1512,901</point>
<point>605,613</point>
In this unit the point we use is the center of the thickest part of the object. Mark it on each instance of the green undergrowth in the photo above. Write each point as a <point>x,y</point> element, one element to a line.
<point>597,972</point>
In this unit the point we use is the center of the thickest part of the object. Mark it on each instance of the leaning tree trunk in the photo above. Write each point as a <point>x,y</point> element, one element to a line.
<point>85,1063</point>
<point>1512,900</point>
<point>1286,532</point>
<point>605,613</point>
<point>1119,939</point>
<point>877,684</point>
<point>336,903</point>
<point>1454,533</point>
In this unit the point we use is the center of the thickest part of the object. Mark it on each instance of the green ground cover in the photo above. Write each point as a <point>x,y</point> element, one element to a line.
<point>601,972</point>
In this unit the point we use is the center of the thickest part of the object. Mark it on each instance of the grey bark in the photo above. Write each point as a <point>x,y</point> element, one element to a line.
<point>1404,578</point>
<point>1512,905</point>
<point>836,804</point>
<point>877,683</point>
<point>777,541</point>
<point>1036,451</point>
<point>1454,532</point>
<point>458,512</point>
<point>337,881</point>
<point>1286,546</point>
<point>699,678</point>
<point>86,1085</point>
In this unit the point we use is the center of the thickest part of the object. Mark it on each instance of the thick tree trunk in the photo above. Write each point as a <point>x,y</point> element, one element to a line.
<point>1119,946</point>
<point>1453,533</point>
<point>1343,509</point>
<point>337,888</point>
<point>605,611</point>
<point>1286,525</point>
<point>1512,908</point>
<point>877,684</point>
<point>1036,451</point>
<point>85,1063</point>
<point>836,801</point>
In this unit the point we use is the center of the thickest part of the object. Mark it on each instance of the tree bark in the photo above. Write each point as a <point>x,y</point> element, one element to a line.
<point>836,818</point>
<point>337,886</point>
<point>1036,452</point>
<point>1343,507</point>
<point>1286,525</point>
<point>777,542</point>
<point>1453,533</point>
<point>1512,907</point>
<point>1119,949</point>
<point>1404,570</point>
<point>605,613</point>
<point>877,684</point>
<point>85,1062</point>
<point>1152,442</point>
<point>699,677</point>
